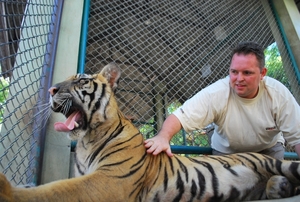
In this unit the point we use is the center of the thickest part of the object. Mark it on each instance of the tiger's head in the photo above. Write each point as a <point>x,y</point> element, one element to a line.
<point>85,100</point>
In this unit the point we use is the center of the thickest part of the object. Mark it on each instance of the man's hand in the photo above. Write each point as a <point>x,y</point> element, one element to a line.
<point>161,142</point>
<point>158,144</point>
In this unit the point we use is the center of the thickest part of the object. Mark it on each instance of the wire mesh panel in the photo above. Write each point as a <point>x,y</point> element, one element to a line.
<point>169,50</point>
<point>25,50</point>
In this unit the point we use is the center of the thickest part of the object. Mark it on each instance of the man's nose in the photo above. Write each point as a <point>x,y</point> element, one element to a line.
<point>240,77</point>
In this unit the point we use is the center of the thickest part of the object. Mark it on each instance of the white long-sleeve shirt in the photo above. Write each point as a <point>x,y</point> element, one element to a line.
<point>241,124</point>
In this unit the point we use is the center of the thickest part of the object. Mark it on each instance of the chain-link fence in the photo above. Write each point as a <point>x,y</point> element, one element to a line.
<point>169,50</point>
<point>27,41</point>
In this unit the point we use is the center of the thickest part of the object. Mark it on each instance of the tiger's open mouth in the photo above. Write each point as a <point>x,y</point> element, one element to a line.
<point>74,121</point>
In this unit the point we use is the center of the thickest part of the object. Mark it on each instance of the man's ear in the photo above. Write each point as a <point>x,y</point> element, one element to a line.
<point>263,72</point>
<point>112,73</point>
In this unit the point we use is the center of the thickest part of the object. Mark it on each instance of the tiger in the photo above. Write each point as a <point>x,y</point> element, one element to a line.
<point>112,164</point>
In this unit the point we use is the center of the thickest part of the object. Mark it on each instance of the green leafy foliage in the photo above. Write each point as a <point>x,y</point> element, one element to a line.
<point>3,96</point>
<point>148,130</point>
<point>275,66</point>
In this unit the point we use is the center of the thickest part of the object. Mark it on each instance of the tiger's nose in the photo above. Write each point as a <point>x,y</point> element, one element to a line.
<point>53,90</point>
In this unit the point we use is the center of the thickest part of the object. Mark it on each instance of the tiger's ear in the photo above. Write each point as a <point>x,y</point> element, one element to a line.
<point>112,73</point>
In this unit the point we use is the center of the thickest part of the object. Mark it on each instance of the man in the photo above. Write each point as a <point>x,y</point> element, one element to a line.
<point>251,112</point>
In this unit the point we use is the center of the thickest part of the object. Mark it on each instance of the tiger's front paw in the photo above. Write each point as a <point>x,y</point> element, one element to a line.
<point>279,187</point>
<point>5,189</point>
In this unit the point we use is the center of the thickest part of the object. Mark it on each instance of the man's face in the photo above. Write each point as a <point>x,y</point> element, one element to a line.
<point>245,75</point>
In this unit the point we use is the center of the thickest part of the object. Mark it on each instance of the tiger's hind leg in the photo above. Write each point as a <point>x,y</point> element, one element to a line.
<point>258,192</point>
<point>280,187</point>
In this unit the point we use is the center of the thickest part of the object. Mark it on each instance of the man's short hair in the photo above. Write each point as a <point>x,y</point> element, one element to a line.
<point>250,47</point>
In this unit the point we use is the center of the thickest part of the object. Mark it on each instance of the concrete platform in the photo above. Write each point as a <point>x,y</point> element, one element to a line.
<point>291,199</point>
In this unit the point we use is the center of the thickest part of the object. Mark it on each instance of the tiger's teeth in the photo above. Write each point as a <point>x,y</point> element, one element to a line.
<point>76,124</point>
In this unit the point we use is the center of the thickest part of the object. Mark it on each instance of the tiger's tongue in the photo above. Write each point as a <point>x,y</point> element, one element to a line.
<point>69,124</point>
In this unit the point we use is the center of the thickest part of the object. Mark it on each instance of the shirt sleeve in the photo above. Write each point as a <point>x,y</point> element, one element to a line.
<point>203,108</point>
<point>288,117</point>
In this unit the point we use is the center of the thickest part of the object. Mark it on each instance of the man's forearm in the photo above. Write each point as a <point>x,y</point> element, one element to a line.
<point>170,127</point>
